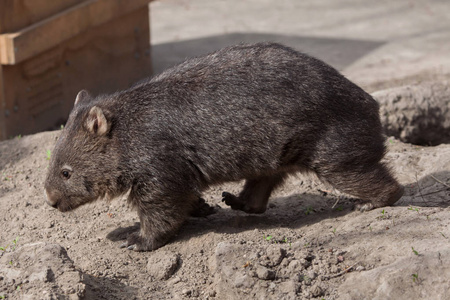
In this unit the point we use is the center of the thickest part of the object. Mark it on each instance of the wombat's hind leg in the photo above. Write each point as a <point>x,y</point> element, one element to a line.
<point>373,184</point>
<point>255,195</point>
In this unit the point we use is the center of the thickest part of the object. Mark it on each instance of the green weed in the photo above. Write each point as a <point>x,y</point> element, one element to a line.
<point>12,245</point>
<point>384,215</point>
<point>309,210</point>
<point>271,239</point>
<point>413,209</point>
<point>267,238</point>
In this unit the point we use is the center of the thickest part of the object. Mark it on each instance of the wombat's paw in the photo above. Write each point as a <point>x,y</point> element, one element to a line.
<point>364,206</point>
<point>132,239</point>
<point>135,242</point>
<point>202,209</point>
<point>232,201</point>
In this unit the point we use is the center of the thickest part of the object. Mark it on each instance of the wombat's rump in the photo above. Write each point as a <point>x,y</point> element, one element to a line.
<point>254,112</point>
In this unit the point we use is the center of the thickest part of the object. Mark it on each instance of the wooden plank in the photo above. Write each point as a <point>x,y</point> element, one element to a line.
<point>2,107</point>
<point>17,14</point>
<point>39,92</point>
<point>30,41</point>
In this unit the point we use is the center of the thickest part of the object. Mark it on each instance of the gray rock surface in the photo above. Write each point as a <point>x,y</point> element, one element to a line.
<point>163,264</point>
<point>41,271</point>
<point>417,114</point>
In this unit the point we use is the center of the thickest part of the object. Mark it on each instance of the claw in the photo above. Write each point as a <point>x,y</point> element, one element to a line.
<point>363,207</point>
<point>131,247</point>
<point>224,195</point>
<point>123,245</point>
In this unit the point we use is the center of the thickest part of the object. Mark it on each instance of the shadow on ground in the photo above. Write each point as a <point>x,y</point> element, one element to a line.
<point>432,190</point>
<point>294,211</point>
<point>300,210</point>
<point>339,53</point>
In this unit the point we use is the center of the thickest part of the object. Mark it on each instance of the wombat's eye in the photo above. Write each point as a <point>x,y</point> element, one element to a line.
<point>65,174</point>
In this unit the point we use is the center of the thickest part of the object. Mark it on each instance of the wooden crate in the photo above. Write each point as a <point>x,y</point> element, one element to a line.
<point>98,45</point>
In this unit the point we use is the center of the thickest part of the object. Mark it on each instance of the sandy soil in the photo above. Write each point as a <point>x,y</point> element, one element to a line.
<point>309,243</point>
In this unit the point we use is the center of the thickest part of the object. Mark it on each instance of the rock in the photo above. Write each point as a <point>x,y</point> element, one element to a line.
<point>212,293</point>
<point>304,263</point>
<point>274,256</point>
<point>288,287</point>
<point>316,290</point>
<point>242,280</point>
<point>294,265</point>
<point>44,275</point>
<point>44,268</point>
<point>186,292</point>
<point>264,273</point>
<point>174,280</point>
<point>163,264</point>
<point>231,279</point>
<point>311,274</point>
<point>335,269</point>
<point>417,114</point>
<point>360,268</point>
<point>383,282</point>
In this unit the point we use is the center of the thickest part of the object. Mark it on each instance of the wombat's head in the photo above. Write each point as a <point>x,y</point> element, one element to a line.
<point>84,162</point>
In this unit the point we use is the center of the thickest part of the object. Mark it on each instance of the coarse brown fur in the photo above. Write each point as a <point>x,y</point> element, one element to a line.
<point>254,112</point>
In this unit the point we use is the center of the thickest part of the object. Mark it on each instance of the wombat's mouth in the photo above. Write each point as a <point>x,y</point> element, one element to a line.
<point>68,204</point>
<point>65,206</point>
<point>62,206</point>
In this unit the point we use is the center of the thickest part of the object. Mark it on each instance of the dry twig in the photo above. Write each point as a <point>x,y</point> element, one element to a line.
<point>340,273</point>
<point>441,182</point>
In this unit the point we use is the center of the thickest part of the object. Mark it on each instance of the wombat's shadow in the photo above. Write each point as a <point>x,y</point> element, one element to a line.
<point>432,190</point>
<point>301,209</point>
<point>339,53</point>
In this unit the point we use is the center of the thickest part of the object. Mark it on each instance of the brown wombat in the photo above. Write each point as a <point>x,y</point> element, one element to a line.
<point>254,112</point>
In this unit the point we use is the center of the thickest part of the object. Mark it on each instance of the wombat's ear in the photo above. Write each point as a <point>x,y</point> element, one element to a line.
<point>96,121</point>
<point>83,96</point>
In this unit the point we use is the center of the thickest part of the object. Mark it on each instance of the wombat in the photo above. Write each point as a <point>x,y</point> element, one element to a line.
<point>255,112</point>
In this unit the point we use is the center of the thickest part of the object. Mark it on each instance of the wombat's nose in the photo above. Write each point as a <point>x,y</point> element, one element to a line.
<point>50,200</point>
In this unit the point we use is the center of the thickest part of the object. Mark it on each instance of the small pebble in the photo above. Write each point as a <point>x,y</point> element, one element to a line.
<point>360,268</point>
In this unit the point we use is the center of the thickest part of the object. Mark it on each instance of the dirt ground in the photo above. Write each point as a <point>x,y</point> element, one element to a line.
<point>309,244</point>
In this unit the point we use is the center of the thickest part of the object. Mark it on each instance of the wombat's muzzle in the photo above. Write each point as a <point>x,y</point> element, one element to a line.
<point>50,199</point>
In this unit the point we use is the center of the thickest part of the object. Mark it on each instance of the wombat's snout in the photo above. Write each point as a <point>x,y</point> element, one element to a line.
<point>50,199</point>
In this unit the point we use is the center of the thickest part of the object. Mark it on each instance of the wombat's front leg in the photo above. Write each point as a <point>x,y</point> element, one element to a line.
<point>160,220</point>
<point>147,239</point>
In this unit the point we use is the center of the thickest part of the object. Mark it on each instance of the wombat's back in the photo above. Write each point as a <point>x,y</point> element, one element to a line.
<point>252,109</point>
